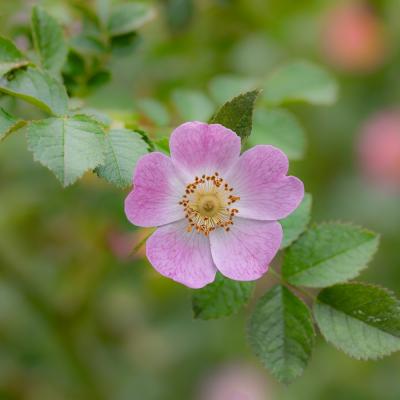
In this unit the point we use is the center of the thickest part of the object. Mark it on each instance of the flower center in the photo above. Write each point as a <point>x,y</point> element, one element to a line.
<point>207,203</point>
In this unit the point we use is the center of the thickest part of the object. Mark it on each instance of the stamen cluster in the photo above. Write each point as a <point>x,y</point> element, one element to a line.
<point>207,203</point>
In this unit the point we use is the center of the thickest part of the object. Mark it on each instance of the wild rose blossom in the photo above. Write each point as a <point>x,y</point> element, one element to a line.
<point>214,208</point>
<point>353,38</point>
<point>379,149</point>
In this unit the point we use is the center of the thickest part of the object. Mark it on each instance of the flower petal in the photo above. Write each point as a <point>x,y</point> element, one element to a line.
<point>259,179</point>
<point>244,252</point>
<point>180,255</point>
<point>156,193</point>
<point>200,148</point>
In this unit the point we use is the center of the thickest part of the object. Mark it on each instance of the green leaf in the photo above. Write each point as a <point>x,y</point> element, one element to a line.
<point>49,41</point>
<point>361,320</point>
<point>237,114</point>
<point>162,144</point>
<point>178,14</point>
<point>75,65</point>
<point>128,17</point>
<point>88,44</point>
<point>192,105</point>
<point>68,146</point>
<point>10,57</point>
<point>124,45</point>
<point>8,124</point>
<point>39,88</point>
<point>225,87</point>
<point>329,253</point>
<point>98,116</point>
<point>301,81</point>
<point>296,223</point>
<point>281,333</point>
<point>123,149</point>
<point>99,79</point>
<point>154,110</point>
<point>279,128</point>
<point>146,138</point>
<point>221,298</point>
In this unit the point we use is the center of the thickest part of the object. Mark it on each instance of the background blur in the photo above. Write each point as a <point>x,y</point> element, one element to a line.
<point>80,318</point>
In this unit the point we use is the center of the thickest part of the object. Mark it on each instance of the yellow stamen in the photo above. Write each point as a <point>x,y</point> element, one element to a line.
<point>206,203</point>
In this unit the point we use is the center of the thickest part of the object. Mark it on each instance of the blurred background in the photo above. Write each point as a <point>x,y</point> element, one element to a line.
<point>83,318</point>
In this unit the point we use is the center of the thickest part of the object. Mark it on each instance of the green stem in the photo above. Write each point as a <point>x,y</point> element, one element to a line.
<point>141,243</point>
<point>284,282</point>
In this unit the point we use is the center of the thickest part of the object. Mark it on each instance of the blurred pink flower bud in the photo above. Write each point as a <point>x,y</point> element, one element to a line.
<point>353,37</point>
<point>235,382</point>
<point>123,244</point>
<point>379,149</point>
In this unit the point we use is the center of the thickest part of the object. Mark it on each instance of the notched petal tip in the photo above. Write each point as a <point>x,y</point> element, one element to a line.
<point>182,256</point>
<point>245,252</point>
<point>199,148</point>
<point>259,179</point>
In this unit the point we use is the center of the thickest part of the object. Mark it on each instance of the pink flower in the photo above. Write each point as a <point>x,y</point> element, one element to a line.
<point>235,381</point>
<point>379,149</point>
<point>353,38</point>
<point>215,209</point>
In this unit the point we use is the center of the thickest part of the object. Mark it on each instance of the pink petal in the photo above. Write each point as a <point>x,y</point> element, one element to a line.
<point>259,179</point>
<point>182,256</point>
<point>156,193</point>
<point>244,252</point>
<point>200,148</point>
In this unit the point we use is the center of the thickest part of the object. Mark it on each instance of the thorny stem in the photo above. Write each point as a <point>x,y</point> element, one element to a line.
<point>284,282</point>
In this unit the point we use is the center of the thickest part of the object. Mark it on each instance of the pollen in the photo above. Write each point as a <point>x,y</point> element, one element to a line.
<point>207,204</point>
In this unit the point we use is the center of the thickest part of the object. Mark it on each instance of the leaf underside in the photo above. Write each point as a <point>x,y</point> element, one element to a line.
<point>123,148</point>
<point>67,146</point>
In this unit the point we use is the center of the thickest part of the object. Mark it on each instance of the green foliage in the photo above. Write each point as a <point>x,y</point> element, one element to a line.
<point>281,333</point>
<point>7,121</point>
<point>221,298</point>
<point>279,128</point>
<point>237,114</point>
<point>49,40</point>
<point>10,57</point>
<point>123,148</point>
<point>99,78</point>
<point>128,17</point>
<point>179,13</point>
<point>192,105</point>
<point>162,145</point>
<point>154,110</point>
<point>361,320</point>
<point>37,87</point>
<point>301,81</point>
<point>329,253</point>
<point>124,44</point>
<point>225,87</point>
<point>296,223</point>
<point>68,146</point>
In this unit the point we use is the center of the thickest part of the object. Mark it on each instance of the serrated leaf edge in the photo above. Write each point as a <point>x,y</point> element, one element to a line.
<point>317,225</point>
<point>388,292</point>
<point>273,370</point>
